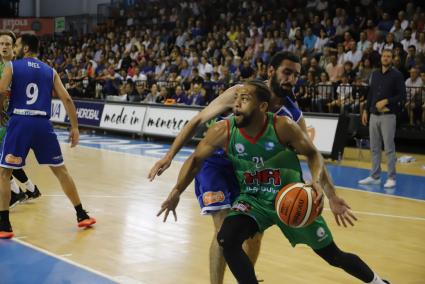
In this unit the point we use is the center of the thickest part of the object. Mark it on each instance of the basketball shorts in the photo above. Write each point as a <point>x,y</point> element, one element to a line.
<point>317,235</point>
<point>216,187</point>
<point>30,132</point>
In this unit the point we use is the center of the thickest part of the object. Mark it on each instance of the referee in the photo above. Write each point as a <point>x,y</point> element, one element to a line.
<point>387,91</point>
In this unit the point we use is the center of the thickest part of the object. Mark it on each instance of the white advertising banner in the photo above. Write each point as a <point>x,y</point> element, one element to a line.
<point>123,117</point>
<point>166,121</point>
<point>58,112</point>
<point>322,131</point>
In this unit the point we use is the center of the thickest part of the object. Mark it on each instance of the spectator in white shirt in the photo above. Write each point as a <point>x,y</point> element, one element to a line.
<point>414,86</point>
<point>363,43</point>
<point>408,39</point>
<point>353,55</point>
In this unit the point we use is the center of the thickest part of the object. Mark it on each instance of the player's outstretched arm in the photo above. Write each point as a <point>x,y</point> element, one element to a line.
<point>74,134</point>
<point>290,133</point>
<point>339,207</point>
<point>215,138</point>
<point>218,106</point>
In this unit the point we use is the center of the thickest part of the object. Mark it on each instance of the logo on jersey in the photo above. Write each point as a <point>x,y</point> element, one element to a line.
<point>11,159</point>
<point>241,206</point>
<point>240,148</point>
<point>269,146</point>
<point>266,176</point>
<point>211,197</point>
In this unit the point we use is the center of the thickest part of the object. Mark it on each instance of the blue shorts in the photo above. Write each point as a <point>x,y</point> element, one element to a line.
<point>30,132</point>
<point>216,186</point>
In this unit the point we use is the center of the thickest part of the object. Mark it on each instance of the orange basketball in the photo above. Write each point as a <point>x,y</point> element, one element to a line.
<point>295,205</point>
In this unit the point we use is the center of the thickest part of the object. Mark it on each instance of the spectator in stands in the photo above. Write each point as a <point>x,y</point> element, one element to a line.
<point>387,91</point>
<point>349,71</point>
<point>309,40</point>
<point>389,42</point>
<point>344,97</point>
<point>325,58</point>
<point>340,53</point>
<point>334,70</point>
<point>414,86</point>
<point>364,71</point>
<point>385,24</point>
<point>412,59</point>
<point>195,77</point>
<point>397,31</point>
<point>363,43</point>
<point>353,55</point>
<point>408,39</point>
<point>152,95</point>
<point>179,96</point>
<point>324,92</point>
<point>359,95</point>
<point>421,44</point>
<point>321,42</point>
<point>397,63</point>
<point>423,96</point>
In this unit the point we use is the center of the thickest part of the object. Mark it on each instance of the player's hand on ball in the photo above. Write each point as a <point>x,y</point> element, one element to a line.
<point>170,204</point>
<point>341,211</point>
<point>319,201</point>
<point>159,168</point>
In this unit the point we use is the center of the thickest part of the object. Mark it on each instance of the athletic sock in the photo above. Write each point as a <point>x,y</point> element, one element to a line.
<point>79,208</point>
<point>14,186</point>
<point>29,185</point>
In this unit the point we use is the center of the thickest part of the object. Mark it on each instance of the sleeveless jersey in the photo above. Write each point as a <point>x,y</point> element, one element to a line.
<point>289,109</point>
<point>262,164</point>
<point>31,89</point>
<point>2,64</point>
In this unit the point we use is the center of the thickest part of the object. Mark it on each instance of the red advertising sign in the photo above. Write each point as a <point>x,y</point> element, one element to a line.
<point>37,26</point>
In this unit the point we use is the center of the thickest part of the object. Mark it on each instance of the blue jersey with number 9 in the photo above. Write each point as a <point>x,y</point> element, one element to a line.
<point>31,89</point>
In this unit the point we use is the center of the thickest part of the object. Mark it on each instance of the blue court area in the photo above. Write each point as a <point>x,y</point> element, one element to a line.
<point>20,264</point>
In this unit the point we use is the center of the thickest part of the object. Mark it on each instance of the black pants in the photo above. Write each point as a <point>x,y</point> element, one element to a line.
<point>236,229</point>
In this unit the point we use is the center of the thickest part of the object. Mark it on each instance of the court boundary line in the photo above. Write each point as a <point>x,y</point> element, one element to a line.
<point>79,265</point>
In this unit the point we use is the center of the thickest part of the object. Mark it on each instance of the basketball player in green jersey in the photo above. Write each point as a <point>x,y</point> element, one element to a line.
<point>7,40</point>
<point>261,147</point>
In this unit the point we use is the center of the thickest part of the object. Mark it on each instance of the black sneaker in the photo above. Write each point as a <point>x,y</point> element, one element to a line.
<point>386,281</point>
<point>84,220</point>
<point>5,230</point>
<point>33,195</point>
<point>16,198</point>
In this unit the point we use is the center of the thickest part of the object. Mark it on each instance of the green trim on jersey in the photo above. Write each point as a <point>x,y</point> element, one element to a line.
<point>2,65</point>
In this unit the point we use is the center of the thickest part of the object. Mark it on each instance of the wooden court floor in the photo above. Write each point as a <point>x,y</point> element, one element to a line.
<point>131,243</point>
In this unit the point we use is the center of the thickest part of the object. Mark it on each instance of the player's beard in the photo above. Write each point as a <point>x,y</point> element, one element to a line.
<point>278,90</point>
<point>19,54</point>
<point>245,121</point>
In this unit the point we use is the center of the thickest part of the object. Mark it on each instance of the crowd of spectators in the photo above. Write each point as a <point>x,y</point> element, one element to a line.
<point>188,52</point>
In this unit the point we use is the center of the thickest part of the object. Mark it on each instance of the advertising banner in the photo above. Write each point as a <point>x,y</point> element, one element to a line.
<point>37,26</point>
<point>123,117</point>
<point>166,121</point>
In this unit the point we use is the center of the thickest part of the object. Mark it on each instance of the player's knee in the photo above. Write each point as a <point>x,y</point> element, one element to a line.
<point>60,172</point>
<point>227,238</point>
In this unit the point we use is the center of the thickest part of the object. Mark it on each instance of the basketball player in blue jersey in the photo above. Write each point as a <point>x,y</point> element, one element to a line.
<point>32,83</point>
<point>7,40</point>
<point>215,185</point>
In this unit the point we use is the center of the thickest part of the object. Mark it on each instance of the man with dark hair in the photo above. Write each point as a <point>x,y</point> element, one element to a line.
<point>215,188</point>
<point>387,91</point>
<point>7,40</point>
<point>258,142</point>
<point>32,83</point>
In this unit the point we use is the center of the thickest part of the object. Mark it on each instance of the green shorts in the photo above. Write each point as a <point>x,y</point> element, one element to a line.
<point>317,235</point>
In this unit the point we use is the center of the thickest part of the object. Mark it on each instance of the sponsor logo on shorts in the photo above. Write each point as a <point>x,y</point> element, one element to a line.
<point>11,159</point>
<point>57,157</point>
<point>241,207</point>
<point>211,197</point>
<point>321,234</point>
